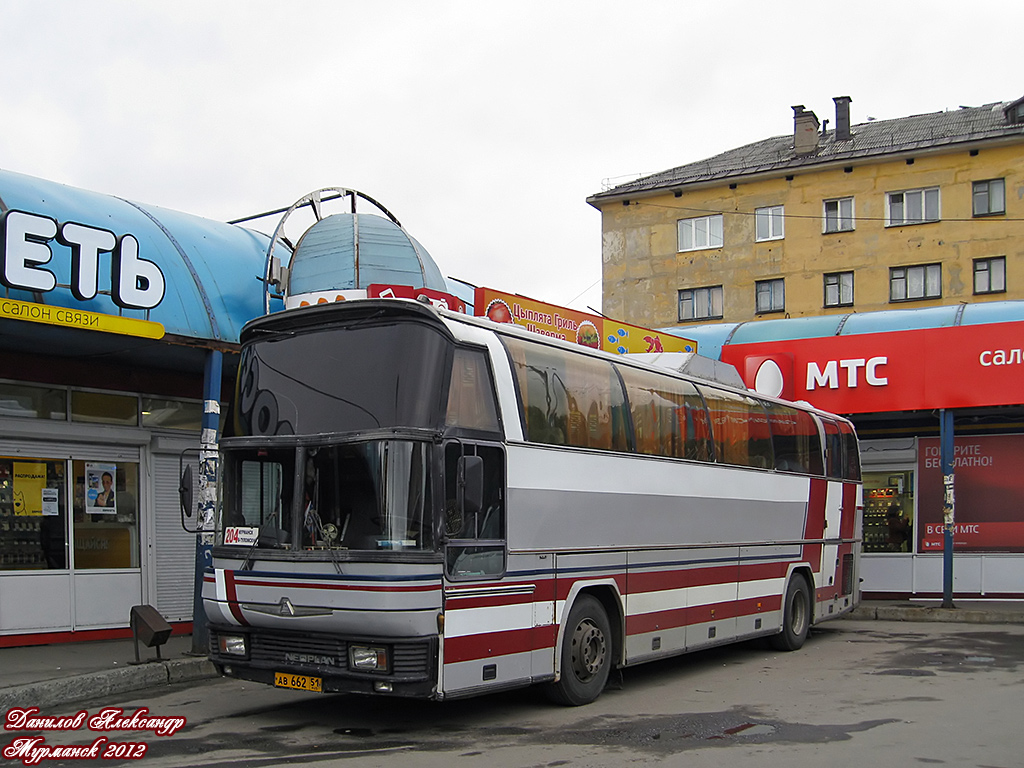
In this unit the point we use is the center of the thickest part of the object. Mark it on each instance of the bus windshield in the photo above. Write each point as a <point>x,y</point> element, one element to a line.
<point>369,495</point>
<point>364,375</point>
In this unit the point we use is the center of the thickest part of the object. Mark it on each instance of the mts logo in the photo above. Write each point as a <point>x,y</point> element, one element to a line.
<point>852,371</point>
<point>25,247</point>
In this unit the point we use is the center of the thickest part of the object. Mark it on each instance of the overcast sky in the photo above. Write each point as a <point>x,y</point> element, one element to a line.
<point>481,125</point>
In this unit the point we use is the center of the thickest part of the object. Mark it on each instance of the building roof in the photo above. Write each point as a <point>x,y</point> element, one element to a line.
<point>713,337</point>
<point>873,139</point>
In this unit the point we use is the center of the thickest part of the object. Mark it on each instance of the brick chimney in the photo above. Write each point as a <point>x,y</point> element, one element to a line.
<point>805,131</point>
<point>843,118</point>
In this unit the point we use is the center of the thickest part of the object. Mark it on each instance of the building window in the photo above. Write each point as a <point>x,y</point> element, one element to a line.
<point>771,295</point>
<point>163,413</point>
<point>989,197</point>
<point>701,303</point>
<point>839,289</point>
<point>33,402</point>
<point>701,232</point>
<point>768,223</point>
<point>105,408</point>
<point>839,215</point>
<point>923,281</point>
<point>912,206</point>
<point>990,275</point>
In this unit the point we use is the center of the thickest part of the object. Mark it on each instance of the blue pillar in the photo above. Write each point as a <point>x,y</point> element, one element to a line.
<point>948,509</point>
<point>208,459</point>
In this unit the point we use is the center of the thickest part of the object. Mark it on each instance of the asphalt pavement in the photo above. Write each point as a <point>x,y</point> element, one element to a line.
<point>67,673</point>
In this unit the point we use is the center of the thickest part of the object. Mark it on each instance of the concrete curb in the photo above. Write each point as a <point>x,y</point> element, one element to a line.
<point>94,685</point>
<point>930,613</point>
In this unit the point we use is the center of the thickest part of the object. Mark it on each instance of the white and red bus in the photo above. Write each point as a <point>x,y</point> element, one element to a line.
<point>419,503</point>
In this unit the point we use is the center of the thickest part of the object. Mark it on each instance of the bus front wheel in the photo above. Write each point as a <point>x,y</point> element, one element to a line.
<point>586,654</point>
<point>796,616</point>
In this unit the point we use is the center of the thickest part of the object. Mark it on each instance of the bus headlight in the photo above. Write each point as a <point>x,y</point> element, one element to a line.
<point>368,658</point>
<point>231,645</point>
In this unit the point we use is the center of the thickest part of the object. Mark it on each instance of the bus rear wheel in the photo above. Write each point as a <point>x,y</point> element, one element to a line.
<point>796,616</point>
<point>586,654</point>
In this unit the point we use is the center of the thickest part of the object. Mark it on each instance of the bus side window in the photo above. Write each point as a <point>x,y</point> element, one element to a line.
<point>739,426</point>
<point>851,468</point>
<point>471,403</point>
<point>475,547</point>
<point>567,398</point>
<point>668,416</point>
<point>795,439</point>
<point>834,459</point>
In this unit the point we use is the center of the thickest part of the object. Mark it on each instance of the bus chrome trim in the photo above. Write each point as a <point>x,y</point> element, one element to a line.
<point>490,591</point>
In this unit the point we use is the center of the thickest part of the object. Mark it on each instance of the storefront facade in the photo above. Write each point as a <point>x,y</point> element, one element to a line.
<point>110,312</point>
<point>895,373</point>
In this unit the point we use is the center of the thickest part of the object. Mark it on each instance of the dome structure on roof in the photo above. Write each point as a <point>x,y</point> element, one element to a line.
<point>347,251</point>
<point>353,250</point>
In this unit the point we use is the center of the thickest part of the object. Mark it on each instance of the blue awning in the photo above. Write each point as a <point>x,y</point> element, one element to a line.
<point>210,269</point>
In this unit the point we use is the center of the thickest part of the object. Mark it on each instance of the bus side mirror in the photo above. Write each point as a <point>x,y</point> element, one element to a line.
<point>185,491</point>
<point>471,483</point>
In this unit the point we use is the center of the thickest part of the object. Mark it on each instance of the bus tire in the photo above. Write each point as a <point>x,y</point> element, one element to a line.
<point>586,654</point>
<point>796,616</point>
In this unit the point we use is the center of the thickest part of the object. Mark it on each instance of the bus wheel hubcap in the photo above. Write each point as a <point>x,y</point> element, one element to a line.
<point>588,650</point>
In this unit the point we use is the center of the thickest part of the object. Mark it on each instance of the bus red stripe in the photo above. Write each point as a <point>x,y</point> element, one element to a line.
<point>488,645</point>
<point>232,597</point>
<point>700,614</point>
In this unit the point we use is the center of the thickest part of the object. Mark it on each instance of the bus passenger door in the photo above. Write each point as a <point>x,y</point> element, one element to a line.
<point>830,551</point>
<point>488,617</point>
<point>827,586</point>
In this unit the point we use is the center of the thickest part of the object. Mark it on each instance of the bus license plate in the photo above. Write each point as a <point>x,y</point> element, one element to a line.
<point>298,682</point>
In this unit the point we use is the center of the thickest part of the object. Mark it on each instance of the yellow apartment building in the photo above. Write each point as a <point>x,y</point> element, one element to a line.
<point>917,211</point>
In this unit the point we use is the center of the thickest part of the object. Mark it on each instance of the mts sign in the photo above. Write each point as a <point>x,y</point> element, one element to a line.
<point>25,247</point>
<point>853,372</point>
<point>966,366</point>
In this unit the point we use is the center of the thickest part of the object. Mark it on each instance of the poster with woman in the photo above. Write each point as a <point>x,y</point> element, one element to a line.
<point>100,497</point>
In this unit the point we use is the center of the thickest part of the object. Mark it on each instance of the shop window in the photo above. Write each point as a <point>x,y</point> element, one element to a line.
<point>33,514</point>
<point>888,511</point>
<point>106,514</point>
<point>160,413</point>
<point>104,408</point>
<point>33,402</point>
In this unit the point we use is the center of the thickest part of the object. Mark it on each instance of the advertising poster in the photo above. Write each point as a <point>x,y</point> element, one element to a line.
<point>579,327</point>
<point>988,487</point>
<point>29,483</point>
<point>437,298</point>
<point>100,496</point>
